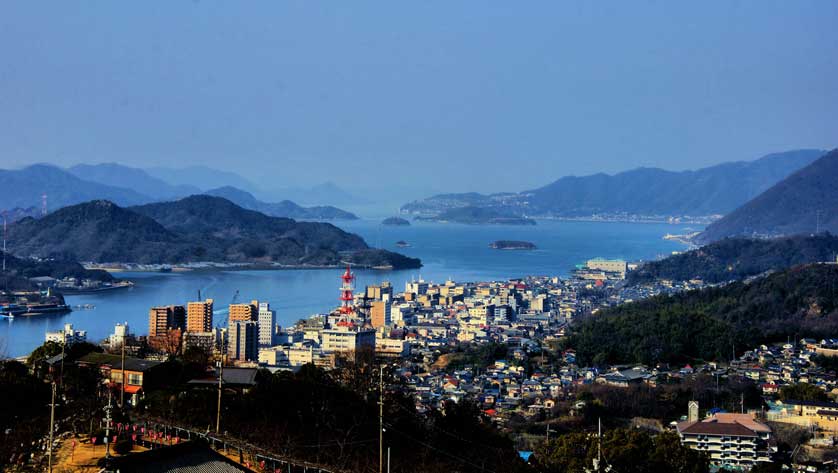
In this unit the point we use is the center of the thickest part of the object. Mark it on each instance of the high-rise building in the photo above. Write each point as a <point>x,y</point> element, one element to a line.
<point>199,316</point>
<point>162,319</point>
<point>267,324</point>
<point>380,314</point>
<point>243,342</point>
<point>244,312</point>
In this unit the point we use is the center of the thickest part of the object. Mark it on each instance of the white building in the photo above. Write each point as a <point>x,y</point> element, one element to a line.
<point>730,440</point>
<point>120,333</point>
<point>416,287</point>
<point>68,335</point>
<point>393,348</point>
<point>344,339</point>
<point>267,324</point>
<point>617,266</point>
<point>297,355</point>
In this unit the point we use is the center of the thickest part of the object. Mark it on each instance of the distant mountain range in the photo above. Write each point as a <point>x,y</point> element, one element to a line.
<point>23,189</point>
<point>325,193</point>
<point>805,202</point>
<point>286,208</point>
<point>132,178</point>
<point>202,177</point>
<point>207,178</point>
<point>196,228</point>
<point>644,191</point>
<point>125,186</point>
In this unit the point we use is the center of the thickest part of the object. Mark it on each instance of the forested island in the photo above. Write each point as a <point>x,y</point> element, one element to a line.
<point>479,216</point>
<point>512,245</point>
<point>395,221</point>
<point>20,270</point>
<point>199,228</point>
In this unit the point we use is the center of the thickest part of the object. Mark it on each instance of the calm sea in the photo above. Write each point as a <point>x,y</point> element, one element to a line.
<point>454,251</point>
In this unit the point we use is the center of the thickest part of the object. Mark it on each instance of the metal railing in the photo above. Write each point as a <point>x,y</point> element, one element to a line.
<point>153,434</point>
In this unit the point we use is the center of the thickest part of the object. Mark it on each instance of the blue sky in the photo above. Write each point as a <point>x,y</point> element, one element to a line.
<point>416,97</point>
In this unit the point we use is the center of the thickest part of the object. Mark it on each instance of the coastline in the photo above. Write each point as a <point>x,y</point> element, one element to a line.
<point>210,266</point>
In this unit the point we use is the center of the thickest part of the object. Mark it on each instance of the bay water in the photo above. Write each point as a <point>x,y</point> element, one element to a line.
<point>455,251</point>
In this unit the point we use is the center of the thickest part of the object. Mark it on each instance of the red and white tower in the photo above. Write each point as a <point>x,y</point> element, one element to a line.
<point>346,297</point>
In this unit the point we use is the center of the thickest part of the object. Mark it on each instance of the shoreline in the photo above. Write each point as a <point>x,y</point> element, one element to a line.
<point>221,267</point>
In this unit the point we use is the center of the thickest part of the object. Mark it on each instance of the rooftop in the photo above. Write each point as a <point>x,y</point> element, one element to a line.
<point>115,362</point>
<point>187,457</point>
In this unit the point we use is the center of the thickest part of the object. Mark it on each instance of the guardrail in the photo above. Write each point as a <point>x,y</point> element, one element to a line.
<point>156,434</point>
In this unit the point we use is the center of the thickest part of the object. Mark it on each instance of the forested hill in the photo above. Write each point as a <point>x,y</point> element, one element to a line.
<point>197,228</point>
<point>738,258</point>
<point>803,203</point>
<point>19,270</point>
<point>709,324</point>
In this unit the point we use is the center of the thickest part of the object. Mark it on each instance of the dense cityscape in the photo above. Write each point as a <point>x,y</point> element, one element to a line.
<point>498,346</point>
<point>419,237</point>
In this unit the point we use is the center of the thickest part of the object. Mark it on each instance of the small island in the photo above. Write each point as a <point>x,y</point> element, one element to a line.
<point>512,245</point>
<point>479,216</point>
<point>398,221</point>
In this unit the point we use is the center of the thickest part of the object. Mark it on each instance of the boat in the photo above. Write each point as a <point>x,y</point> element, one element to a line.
<point>402,244</point>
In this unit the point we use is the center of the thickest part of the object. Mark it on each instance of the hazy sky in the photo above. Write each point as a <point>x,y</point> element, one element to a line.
<point>445,95</point>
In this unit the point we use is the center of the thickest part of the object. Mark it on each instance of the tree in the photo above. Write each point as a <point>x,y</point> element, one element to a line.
<point>43,352</point>
<point>626,451</point>
<point>23,417</point>
<point>802,392</point>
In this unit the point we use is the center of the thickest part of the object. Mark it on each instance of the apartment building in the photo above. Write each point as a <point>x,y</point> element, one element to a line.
<point>165,318</point>
<point>199,316</point>
<point>730,440</point>
<point>380,314</point>
<point>267,325</point>
<point>243,340</point>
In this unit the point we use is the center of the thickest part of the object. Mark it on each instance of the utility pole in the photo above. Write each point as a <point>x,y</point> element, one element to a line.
<point>599,444</point>
<point>122,386</point>
<point>63,345</point>
<point>381,420</point>
<point>4,242</point>
<point>598,460</point>
<point>220,366</point>
<point>108,425</point>
<point>51,427</point>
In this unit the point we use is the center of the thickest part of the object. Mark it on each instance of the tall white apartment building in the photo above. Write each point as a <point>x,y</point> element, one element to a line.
<point>267,324</point>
